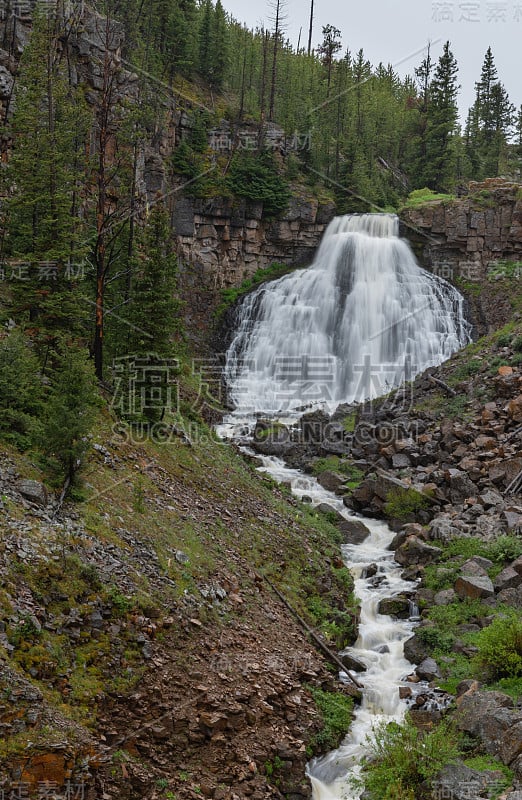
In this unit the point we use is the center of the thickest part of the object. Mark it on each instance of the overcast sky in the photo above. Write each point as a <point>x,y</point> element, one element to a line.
<point>394,31</point>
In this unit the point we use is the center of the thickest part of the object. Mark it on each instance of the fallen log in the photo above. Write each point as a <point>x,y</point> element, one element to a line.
<point>442,385</point>
<point>313,635</point>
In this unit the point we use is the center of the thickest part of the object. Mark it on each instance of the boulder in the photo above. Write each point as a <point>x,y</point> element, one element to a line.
<point>332,481</point>
<point>513,520</point>
<point>511,597</point>
<point>511,743</point>
<point>458,782</point>
<point>474,586</point>
<point>324,508</point>
<point>33,491</point>
<point>428,670</point>
<point>509,578</point>
<point>445,597</point>
<point>416,551</point>
<point>488,716</point>
<point>517,565</point>
<point>476,566</point>
<point>352,663</point>
<point>442,529</point>
<point>401,461</point>
<point>6,83</point>
<point>353,531</point>
<point>398,607</point>
<point>514,409</point>
<point>415,650</point>
<point>490,498</point>
<point>460,485</point>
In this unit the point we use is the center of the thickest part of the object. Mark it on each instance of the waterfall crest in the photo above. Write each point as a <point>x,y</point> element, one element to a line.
<point>360,320</point>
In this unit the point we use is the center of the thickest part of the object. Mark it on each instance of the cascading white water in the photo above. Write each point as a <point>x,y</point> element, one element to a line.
<point>379,645</point>
<point>362,319</point>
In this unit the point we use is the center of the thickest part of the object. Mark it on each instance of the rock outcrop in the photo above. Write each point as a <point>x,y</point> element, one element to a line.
<point>222,242</point>
<point>468,240</point>
<point>464,237</point>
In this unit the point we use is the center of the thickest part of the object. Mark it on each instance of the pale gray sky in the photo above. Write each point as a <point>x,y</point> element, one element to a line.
<point>393,31</point>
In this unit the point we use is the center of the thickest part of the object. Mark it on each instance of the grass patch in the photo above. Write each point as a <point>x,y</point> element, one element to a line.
<point>340,465</point>
<point>231,295</point>
<point>336,711</point>
<point>488,764</point>
<point>420,197</point>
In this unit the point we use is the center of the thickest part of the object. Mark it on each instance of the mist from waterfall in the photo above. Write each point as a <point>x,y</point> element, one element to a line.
<point>362,319</point>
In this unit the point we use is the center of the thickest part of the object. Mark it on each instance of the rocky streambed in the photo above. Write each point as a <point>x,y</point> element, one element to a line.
<point>441,463</point>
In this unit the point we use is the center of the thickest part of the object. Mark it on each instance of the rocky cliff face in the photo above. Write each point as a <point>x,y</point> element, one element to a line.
<point>474,242</point>
<point>221,242</point>
<point>465,237</point>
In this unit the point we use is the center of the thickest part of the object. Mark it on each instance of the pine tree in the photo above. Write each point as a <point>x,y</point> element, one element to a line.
<point>278,11</point>
<point>328,48</point>
<point>484,88</point>
<point>21,391</point>
<point>442,122</point>
<point>153,319</point>
<point>155,304</point>
<point>220,46</point>
<point>70,411</point>
<point>489,123</point>
<point>503,114</point>
<point>205,41</point>
<point>44,230</point>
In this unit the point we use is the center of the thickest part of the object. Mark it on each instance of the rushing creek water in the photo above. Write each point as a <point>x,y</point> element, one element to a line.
<point>362,319</point>
<point>379,645</point>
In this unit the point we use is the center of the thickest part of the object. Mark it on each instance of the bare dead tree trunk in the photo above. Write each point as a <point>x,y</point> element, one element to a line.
<point>310,30</point>
<point>274,60</point>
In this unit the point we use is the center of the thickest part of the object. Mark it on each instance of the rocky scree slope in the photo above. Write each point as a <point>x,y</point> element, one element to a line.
<point>142,653</point>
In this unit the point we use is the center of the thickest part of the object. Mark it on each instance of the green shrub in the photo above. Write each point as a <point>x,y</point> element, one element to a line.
<point>437,639</point>
<point>402,504</point>
<point>505,269</point>
<point>336,713</point>
<point>402,758</point>
<point>504,340</point>
<point>466,369</point>
<point>500,647</point>
<point>231,295</point>
<point>517,344</point>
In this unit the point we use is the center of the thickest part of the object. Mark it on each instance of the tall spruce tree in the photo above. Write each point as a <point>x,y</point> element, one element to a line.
<point>442,124</point>
<point>327,50</point>
<point>489,123</point>
<point>45,179</point>
<point>153,318</point>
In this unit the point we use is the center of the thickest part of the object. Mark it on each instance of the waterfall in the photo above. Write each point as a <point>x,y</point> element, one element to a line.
<point>363,318</point>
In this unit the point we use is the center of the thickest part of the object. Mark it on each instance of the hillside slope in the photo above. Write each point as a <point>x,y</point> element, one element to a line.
<point>142,652</point>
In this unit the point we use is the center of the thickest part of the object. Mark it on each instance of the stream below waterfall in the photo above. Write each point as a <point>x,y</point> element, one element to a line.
<point>362,319</point>
<point>379,645</point>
